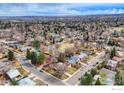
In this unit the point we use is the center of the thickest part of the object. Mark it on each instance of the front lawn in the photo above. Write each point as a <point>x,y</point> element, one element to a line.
<point>103,78</point>
<point>63,77</point>
<point>71,70</point>
<point>53,72</point>
<point>89,58</point>
<point>23,72</point>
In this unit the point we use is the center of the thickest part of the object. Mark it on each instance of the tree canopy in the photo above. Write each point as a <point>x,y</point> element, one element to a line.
<point>10,55</point>
<point>28,54</point>
<point>113,53</point>
<point>34,58</point>
<point>86,79</point>
<point>41,58</point>
<point>98,82</point>
<point>36,44</point>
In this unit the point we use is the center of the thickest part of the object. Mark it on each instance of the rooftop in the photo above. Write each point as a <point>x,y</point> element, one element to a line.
<point>13,73</point>
<point>26,81</point>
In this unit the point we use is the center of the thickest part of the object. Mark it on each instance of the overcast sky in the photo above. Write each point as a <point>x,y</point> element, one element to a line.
<point>55,9</point>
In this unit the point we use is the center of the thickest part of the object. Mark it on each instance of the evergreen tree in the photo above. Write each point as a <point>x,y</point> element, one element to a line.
<point>119,79</point>
<point>93,72</point>
<point>113,53</point>
<point>10,55</point>
<point>41,58</point>
<point>28,54</point>
<point>14,83</point>
<point>98,82</point>
<point>34,58</point>
<point>36,44</point>
<point>87,79</point>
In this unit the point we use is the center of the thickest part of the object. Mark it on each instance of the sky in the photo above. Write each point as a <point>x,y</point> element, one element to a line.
<point>59,9</point>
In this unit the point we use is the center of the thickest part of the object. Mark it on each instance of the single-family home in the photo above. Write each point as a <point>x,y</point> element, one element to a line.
<point>14,74</point>
<point>111,64</point>
<point>109,78</point>
<point>82,56</point>
<point>118,59</point>
<point>73,60</point>
<point>26,82</point>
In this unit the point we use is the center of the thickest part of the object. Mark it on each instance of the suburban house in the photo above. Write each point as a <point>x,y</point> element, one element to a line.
<point>73,60</point>
<point>109,78</point>
<point>26,81</point>
<point>111,64</point>
<point>83,56</point>
<point>14,74</point>
<point>118,59</point>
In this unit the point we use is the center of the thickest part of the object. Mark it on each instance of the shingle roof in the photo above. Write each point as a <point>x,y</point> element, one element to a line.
<point>26,81</point>
<point>13,73</point>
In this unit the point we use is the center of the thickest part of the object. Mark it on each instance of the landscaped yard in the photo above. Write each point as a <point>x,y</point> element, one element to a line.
<point>53,72</point>
<point>65,46</point>
<point>89,58</point>
<point>39,82</point>
<point>17,64</point>
<point>71,70</point>
<point>103,78</point>
<point>94,55</point>
<point>23,72</point>
<point>63,77</point>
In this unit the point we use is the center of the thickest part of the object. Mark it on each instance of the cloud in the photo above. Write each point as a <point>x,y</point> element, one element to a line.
<point>59,9</point>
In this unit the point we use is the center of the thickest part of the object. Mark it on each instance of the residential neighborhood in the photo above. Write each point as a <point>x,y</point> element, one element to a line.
<point>62,50</point>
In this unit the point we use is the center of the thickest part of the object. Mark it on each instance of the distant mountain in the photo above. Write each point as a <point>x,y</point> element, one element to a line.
<point>51,17</point>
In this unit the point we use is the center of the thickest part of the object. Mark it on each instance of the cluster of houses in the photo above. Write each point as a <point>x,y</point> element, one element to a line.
<point>9,74</point>
<point>107,74</point>
<point>12,75</point>
<point>115,61</point>
<point>15,76</point>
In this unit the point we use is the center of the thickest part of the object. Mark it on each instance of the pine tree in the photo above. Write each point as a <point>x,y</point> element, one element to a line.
<point>41,58</point>
<point>93,71</point>
<point>34,58</point>
<point>28,54</point>
<point>113,53</point>
<point>10,56</point>
<point>98,82</point>
<point>36,44</point>
<point>86,79</point>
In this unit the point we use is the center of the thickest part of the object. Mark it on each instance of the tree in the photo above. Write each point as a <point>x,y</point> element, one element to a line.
<point>34,58</point>
<point>87,79</point>
<point>15,82</point>
<point>60,69</point>
<point>93,72</point>
<point>113,53</point>
<point>41,58</point>
<point>103,64</point>
<point>28,54</point>
<point>36,44</point>
<point>10,56</point>
<point>119,80</point>
<point>98,82</point>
